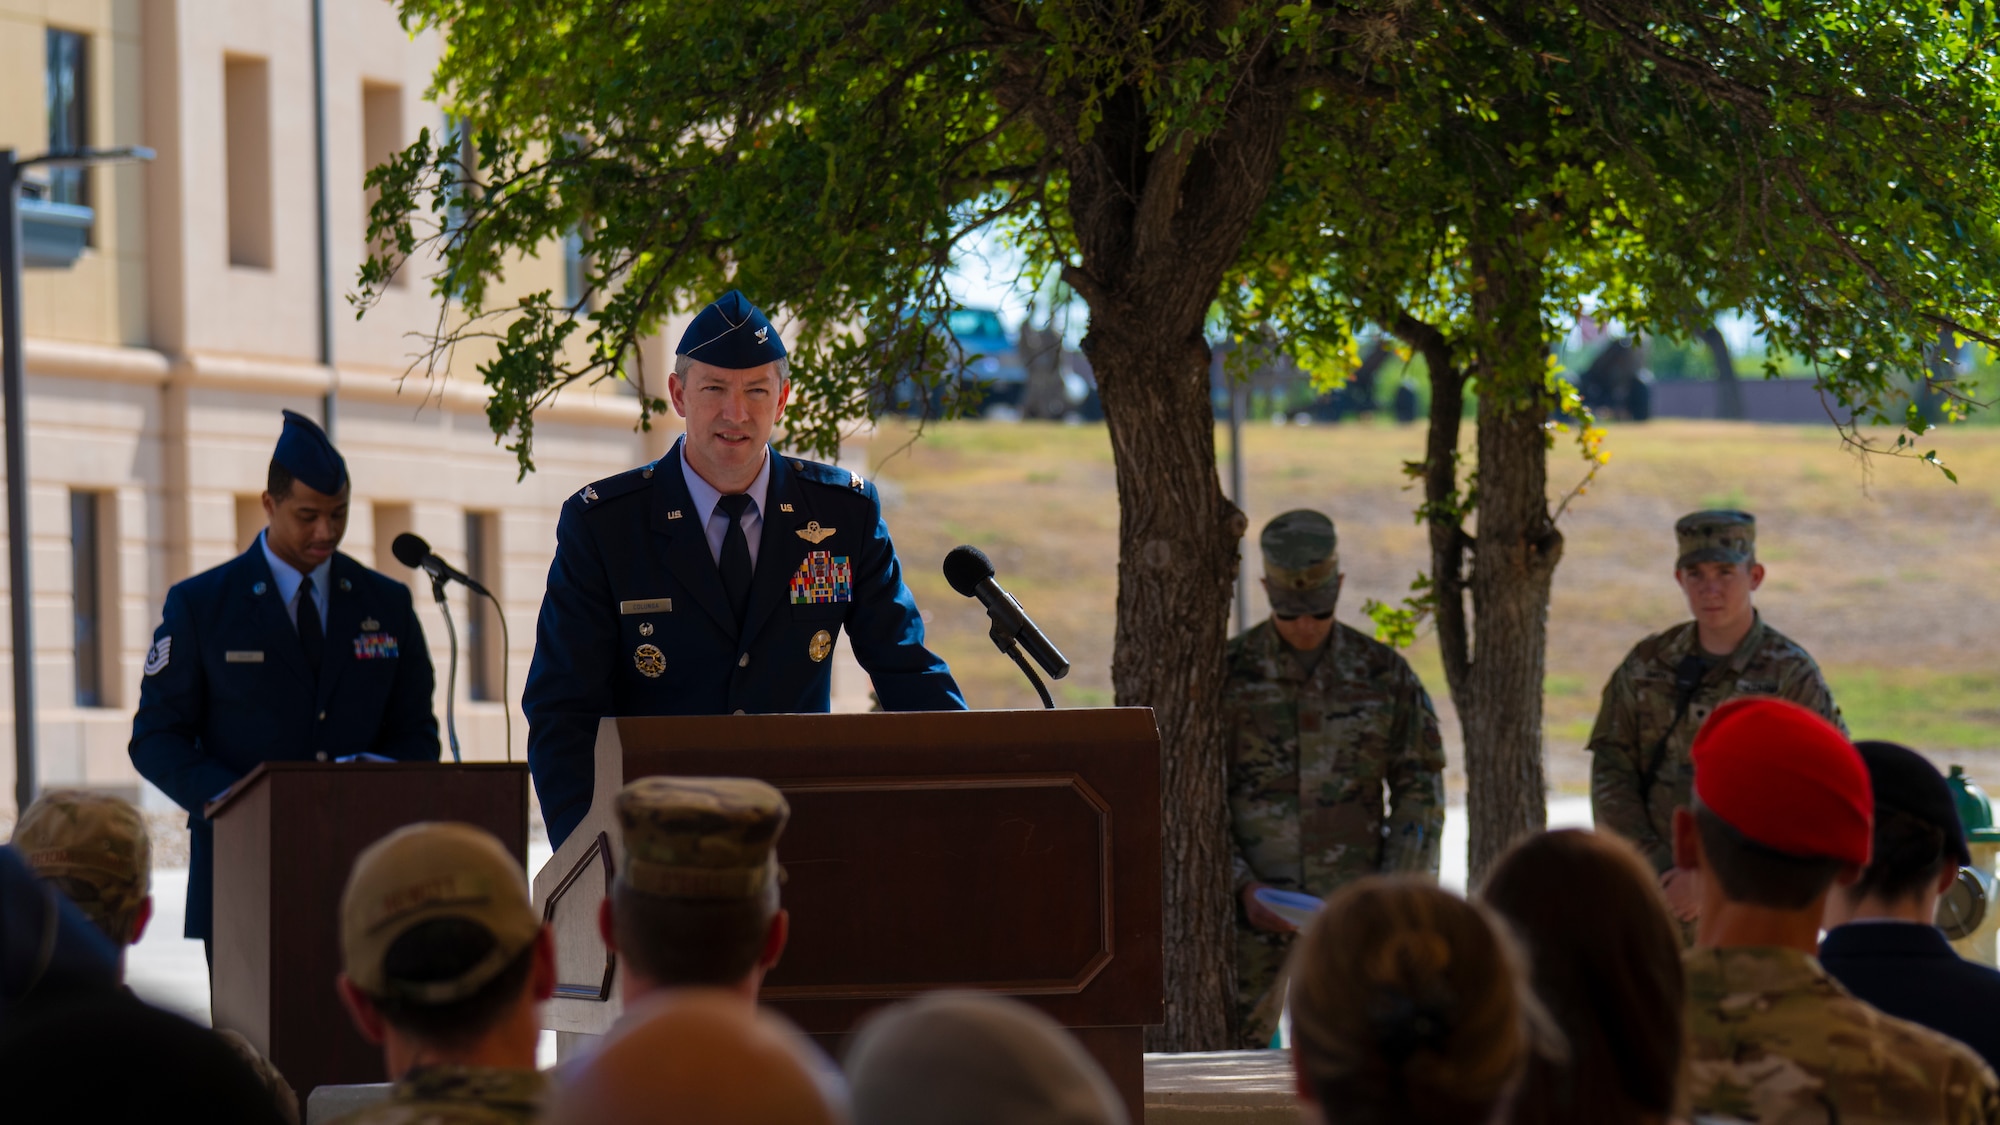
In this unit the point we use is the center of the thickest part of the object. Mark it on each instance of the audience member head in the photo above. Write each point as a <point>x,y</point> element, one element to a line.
<point>964,1058</point>
<point>49,952</point>
<point>1605,961</point>
<point>695,901</point>
<point>1919,842</point>
<point>1408,1008</point>
<point>444,957</point>
<point>700,1057</point>
<point>1782,810</point>
<point>95,849</point>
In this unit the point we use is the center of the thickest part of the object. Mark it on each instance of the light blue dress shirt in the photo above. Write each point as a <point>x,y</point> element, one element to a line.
<point>716,523</point>
<point>288,578</point>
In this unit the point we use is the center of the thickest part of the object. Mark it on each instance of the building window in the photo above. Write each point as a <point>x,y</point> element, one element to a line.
<point>246,149</point>
<point>381,140</point>
<point>69,112</point>
<point>87,595</point>
<point>482,630</point>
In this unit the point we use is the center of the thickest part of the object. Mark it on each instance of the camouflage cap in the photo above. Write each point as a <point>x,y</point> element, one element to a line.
<point>95,847</point>
<point>421,873</point>
<point>700,837</point>
<point>1720,535</point>
<point>1301,563</point>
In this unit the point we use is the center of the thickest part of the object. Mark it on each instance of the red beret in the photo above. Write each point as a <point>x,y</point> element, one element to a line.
<point>1785,778</point>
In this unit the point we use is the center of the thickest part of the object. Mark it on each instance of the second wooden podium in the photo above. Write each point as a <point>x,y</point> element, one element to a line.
<point>285,837</point>
<point>1015,852</point>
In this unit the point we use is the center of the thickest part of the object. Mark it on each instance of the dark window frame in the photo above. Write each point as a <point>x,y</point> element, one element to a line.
<point>66,96</point>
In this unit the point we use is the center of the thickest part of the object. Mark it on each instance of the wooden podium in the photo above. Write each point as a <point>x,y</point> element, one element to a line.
<point>285,838</point>
<point>1015,852</point>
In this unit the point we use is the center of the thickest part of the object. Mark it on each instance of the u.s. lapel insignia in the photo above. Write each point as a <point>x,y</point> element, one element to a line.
<point>370,625</point>
<point>650,661</point>
<point>784,507</point>
<point>819,646</point>
<point>813,533</point>
<point>675,514</point>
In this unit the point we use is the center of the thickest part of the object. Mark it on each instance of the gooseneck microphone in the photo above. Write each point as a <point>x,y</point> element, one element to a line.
<point>970,572</point>
<point>412,551</point>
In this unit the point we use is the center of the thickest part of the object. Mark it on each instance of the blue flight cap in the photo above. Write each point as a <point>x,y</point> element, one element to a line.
<point>308,454</point>
<point>732,333</point>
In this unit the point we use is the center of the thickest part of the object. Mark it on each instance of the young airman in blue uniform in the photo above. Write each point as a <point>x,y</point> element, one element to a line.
<point>291,651</point>
<point>714,580</point>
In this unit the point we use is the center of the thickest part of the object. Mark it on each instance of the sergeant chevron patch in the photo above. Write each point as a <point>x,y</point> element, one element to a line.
<point>156,657</point>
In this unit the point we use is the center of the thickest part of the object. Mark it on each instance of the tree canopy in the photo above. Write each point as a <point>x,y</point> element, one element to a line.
<point>1463,174</point>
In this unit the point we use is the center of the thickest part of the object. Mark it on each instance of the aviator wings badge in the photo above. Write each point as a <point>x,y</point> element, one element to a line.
<point>813,533</point>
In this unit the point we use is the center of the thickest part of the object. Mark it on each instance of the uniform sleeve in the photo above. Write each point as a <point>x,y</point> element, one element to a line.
<point>1239,735</point>
<point>409,724</point>
<point>569,681</point>
<point>1617,800</point>
<point>1415,840</point>
<point>1804,685</point>
<point>173,699</point>
<point>887,632</point>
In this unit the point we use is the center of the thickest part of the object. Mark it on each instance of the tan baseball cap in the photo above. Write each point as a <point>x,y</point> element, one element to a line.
<point>95,848</point>
<point>425,872</point>
<point>700,837</point>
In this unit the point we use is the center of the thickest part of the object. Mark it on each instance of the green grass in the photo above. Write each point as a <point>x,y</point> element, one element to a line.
<point>1934,709</point>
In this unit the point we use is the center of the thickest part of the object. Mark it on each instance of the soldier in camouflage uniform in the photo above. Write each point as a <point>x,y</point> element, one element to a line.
<point>695,902</point>
<point>446,960</point>
<point>96,849</point>
<point>1336,769</point>
<point>1782,809</point>
<point>1670,682</point>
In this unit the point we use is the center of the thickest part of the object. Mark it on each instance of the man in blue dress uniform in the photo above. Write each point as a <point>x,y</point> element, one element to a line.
<point>714,580</point>
<point>289,652</point>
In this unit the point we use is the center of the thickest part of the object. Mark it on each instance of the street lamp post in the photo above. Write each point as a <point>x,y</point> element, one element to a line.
<point>13,401</point>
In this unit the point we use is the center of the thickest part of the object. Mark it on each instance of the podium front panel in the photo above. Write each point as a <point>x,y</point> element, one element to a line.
<point>285,839</point>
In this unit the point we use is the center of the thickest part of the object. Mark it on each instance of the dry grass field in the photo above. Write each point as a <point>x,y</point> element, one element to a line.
<point>1888,573</point>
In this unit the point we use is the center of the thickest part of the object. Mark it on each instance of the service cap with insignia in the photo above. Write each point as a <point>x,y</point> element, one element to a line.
<point>95,848</point>
<point>700,837</point>
<point>426,872</point>
<point>1301,563</point>
<point>308,454</point>
<point>732,333</point>
<point>1720,535</point>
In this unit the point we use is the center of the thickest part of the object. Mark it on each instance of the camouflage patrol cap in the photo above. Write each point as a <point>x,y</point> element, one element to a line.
<point>1301,563</point>
<point>700,837</point>
<point>96,849</point>
<point>421,873</point>
<point>1719,535</point>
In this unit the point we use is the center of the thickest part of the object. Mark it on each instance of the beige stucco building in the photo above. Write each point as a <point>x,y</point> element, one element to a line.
<point>157,364</point>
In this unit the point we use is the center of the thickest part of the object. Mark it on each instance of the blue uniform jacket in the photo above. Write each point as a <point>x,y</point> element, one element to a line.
<point>636,622</point>
<point>227,687</point>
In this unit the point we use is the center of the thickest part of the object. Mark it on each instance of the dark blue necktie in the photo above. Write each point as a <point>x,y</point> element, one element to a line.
<point>311,637</point>
<point>735,561</point>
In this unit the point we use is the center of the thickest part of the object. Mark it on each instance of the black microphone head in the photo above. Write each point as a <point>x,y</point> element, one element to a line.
<point>410,549</point>
<point>965,568</point>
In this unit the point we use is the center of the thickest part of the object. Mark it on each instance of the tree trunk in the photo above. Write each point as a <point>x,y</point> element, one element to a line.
<point>1177,561</point>
<point>1728,391</point>
<point>1513,562</point>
